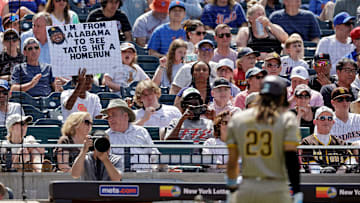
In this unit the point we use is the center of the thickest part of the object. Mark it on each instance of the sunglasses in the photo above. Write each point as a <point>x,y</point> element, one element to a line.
<point>272,65</point>
<point>303,96</point>
<point>349,70</point>
<point>259,77</point>
<point>322,63</point>
<point>4,92</point>
<point>31,48</point>
<point>342,99</point>
<point>349,23</point>
<point>13,38</point>
<point>224,34</point>
<point>206,49</point>
<point>87,122</point>
<point>323,118</point>
<point>198,33</point>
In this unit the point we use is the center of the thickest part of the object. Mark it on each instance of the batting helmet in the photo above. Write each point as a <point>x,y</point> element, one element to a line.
<point>273,85</point>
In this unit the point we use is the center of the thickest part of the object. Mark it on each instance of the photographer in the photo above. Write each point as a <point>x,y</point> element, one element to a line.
<point>97,164</point>
<point>191,126</point>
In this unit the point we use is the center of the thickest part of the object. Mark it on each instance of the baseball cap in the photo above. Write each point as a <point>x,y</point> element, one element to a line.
<point>119,103</point>
<point>16,118</point>
<point>10,31</point>
<point>176,3</point>
<point>190,91</point>
<point>30,40</point>
<point>205,41</point>
<point>340,92</point>
<point>225,62</point>
<point>273,85</point>
<point>321,56</point>
<point>342,18</point>
<point>221,82</point>
<point>355,33</point>
<point>127,45</point>
<point>4,84</point>
<point>160,6</point>
<point>273,55</point>
<point>299,72</point>
<point>9,18</point>
<point>53,30</point>
<point>247,51</point>
<point>323,109</point>
<point>254,71</point>
<point>302,88</point>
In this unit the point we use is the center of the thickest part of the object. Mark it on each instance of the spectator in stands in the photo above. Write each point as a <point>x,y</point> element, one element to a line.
<point>33,77</point>
<point>11,55</point>
<point>152,113</point>
<point>322,66</point>
<point>223,40</point>
<point>356,83</point>
<point>324,160</point>
<point>251,100</point>
<point>223,12</point>
<point>80,99</point>
<point>60,12</point>
<point>110,11</point>
<point>40,21</point>
<point>271,6</point>
<point>205,52</point>
<point>246,60</point>
<point>346,71</point>
<point>96,165</point>
<point>163,35</point>
<point>355,39</point>
<point>294,47</point>
<point>299,75</point>
<point>193,8</point>
<point>304,111</point>
<point>339,44</point>
<point>16,126</point>
<point>323,9</point>
<point>195,32</point>
<point>122,131</point>
<point>170,64</point>
<point>191,126</point>
<point>221,92</point>
<point>74,131</point>
<point>355,106</point>
<point>7,108</point>
<point>295,20</point>
<point>13,6</point>
<point>272,35</point>
<point>134,8</point>
<point>272,64</point>
<point>220,130</point>
<point>225,69</point>
<point>128,72</point>
<point>200,74</point>
<point>348,6</point>
<point>145,24</point>
<point>254,77</point>
<point>347,125</point>
<point>11,20</point>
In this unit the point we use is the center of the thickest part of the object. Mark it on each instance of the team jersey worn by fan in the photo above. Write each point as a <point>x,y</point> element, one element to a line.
<point>261,146</point>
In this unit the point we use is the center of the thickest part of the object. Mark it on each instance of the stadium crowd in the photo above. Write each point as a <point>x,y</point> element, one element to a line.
<point>207,62</point>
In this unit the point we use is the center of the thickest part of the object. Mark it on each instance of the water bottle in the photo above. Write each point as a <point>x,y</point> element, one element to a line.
<point>259,28</point>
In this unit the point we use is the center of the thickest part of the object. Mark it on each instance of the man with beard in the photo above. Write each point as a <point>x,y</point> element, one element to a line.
<point>56,35</point>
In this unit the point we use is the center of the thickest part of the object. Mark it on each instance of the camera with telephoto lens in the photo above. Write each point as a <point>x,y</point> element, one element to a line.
<point>100,141</point>
<point>198,110</point>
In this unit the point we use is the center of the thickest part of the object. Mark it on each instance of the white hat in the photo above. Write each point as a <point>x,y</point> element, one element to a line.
<point>299,72</point>
<point>322,109</point>
<point>30,40</point>
<point>16,118</point>
<point>127,45</point>
<point>225,62</point>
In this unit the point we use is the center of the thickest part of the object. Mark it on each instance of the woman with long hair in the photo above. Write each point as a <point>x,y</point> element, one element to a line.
<point>74,131</point>
<point>265,137</point>
<point>60,12</point>
<point>170,64</point>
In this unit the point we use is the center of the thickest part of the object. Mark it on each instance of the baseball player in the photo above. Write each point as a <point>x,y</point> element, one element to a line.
<point>265,137</point>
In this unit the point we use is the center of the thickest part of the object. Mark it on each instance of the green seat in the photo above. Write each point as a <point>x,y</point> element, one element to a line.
<point>304,131</point>
<point>44,132</point>
<point>177,151</point>
<point>154,132</point>
<point>167,99</point>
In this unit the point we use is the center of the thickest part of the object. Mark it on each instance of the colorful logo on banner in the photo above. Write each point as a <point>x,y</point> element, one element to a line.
<point>326,192</point>
<point>119,190</point>
<point>169,191</point>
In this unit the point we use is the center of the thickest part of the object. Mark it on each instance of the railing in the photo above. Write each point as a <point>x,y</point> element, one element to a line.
<point>173,157</point>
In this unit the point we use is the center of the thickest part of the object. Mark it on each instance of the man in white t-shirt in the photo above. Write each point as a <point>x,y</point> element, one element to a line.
<point>152,113</point>
<point>80,99</point>
<point>7,108</point>
<point>339,44</point>
<point>347,125</point>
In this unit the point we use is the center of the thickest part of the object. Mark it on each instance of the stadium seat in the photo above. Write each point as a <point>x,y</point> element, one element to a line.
<point>304,131</point>
<point>177,151</point>
<point>105,98</point>
<point>154,132</point>
<point>327,32</point>
<point>25,98</point>
<point>51,102</point>
<point>234,31</point>
<point>309,52</point>
<point>140,50</point>
<point>47,121</point>
<point>82,12</point>
<point>100,122</point>
<point>148,63</point>
<point>34,112</point>
<point>129,91</point>
<point>44,132</point>
<point>325,25</point>
<point>167,99</point>
<point>68,86</point>
<point>165,90</point>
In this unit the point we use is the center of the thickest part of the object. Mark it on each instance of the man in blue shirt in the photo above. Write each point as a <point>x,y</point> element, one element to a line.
<point>33,77</point>
<point>295,20</point>
<point>163,35</point>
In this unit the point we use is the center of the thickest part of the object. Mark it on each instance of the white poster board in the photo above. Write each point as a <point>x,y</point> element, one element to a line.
<point>94,46</point>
